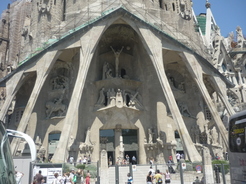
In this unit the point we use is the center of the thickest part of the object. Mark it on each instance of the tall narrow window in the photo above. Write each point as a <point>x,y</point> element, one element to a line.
<point>161,4</point>
<point>166,7</point>
<point>173,6</point>
<point>64,10</point>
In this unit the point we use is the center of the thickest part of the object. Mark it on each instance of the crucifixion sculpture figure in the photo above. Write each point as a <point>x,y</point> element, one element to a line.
<point>117,61</point>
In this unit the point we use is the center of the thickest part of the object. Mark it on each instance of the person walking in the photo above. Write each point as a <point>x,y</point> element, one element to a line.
<point>134,160</point>
<point>167,177</point>
<point>57,180</point>
<point>78,177</point>
<point>38,177</point>
<point>170,165</point>
<point>149,178</point>
<point>88,177</point>
<point>129,179</point>
<point>158,177</point>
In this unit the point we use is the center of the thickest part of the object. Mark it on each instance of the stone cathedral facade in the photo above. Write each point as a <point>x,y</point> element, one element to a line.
<point>143,78</point>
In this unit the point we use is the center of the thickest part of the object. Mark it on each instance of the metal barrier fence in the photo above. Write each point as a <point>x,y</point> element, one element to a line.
<point>181,173</point>
<point>49,169</point>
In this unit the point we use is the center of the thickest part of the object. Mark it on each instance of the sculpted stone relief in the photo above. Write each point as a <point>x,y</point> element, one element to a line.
<point>55,108</point>
<point>87,146</point>
<point>44,6</point>
<point>120,98</point>
<point>176,85</point>
<point>184,110</point>
<point>59,83</point>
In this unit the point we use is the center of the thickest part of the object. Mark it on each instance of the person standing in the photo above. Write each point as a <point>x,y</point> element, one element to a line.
<point>71,160</point>
<point>18,176</point>
<point>79,177</point>
<point>127,159</point>
<point>149,178</point>
<point>178,156</point>
<point>167,177</point>
<point>134,160</point>
<point>152,171</point>
<point>170,164</point>
<point>39,177</point>
<point>158,177</point>
<point>129,179</point>
<point>88,177</point>
<point>68,179</point>
<point>57,180</point>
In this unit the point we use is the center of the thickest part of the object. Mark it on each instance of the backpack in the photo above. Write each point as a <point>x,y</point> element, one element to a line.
<point>159,181</point>
<point>74,179</point>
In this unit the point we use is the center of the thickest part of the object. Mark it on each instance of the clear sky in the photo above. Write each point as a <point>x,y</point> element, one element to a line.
<point>228,14</point>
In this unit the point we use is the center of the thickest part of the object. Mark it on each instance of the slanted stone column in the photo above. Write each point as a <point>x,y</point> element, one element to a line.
<point>221,92</point>
<point>44,66</point>
<point>207,166</point>
<point>11,90</point>
<point>117,141</point>
<point>88,44</point>
<point>153,46</point>
<point>104,176</point>
<point>196,72</point>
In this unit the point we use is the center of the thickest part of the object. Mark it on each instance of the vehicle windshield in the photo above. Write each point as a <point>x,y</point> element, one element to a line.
<point>7,172</point>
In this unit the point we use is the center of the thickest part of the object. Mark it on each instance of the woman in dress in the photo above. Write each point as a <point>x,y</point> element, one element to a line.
<point>88,177</point>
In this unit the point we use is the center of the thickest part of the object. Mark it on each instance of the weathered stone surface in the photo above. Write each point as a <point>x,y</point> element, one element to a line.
<point>99,79</point>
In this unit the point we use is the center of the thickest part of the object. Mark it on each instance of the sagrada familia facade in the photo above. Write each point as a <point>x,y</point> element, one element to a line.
<point>127,77</point>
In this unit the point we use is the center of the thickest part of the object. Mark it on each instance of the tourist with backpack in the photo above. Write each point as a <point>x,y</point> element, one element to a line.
<point>158,177</point>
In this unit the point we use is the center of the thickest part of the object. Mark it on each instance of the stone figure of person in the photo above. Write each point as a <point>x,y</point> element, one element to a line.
<point>101,99</point>
<point>105,68</point>
<point>112,97</point>
<point>117,61</point>
<point>214,135</point>
<point>150,136</point>
<point>119,99</point>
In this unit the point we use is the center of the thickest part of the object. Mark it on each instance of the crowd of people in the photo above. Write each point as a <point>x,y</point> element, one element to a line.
<point>71,177</point>
<point>125,161</point>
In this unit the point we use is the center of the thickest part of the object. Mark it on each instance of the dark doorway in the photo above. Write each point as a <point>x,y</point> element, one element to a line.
<point>131,154</point>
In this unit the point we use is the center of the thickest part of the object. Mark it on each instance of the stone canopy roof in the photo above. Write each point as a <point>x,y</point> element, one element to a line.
<point>53,44</point>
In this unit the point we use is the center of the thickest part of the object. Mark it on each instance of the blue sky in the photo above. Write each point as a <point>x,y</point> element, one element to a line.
<point>228,14</point>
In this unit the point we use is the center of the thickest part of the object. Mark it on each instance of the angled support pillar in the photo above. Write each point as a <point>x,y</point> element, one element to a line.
<point>88,47</point>
<point>44,65</point>
<point>196,72</point>
<point>153,46</point>
<point>222,95</point>
<point>11,89</point>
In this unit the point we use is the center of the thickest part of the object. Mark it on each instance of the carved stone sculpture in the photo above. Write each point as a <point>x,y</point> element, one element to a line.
<point>101,99</point>
<point>150,136</point>
<point>87,146</point>
<point>184,109</point>
<point>215,136</point>
<point>59,82</point>
<point>117,61</point>
<point>119,99</point>
<point>56,106</point>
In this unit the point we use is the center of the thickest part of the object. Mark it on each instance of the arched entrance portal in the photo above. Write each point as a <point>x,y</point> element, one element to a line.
<point>118,143</point>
